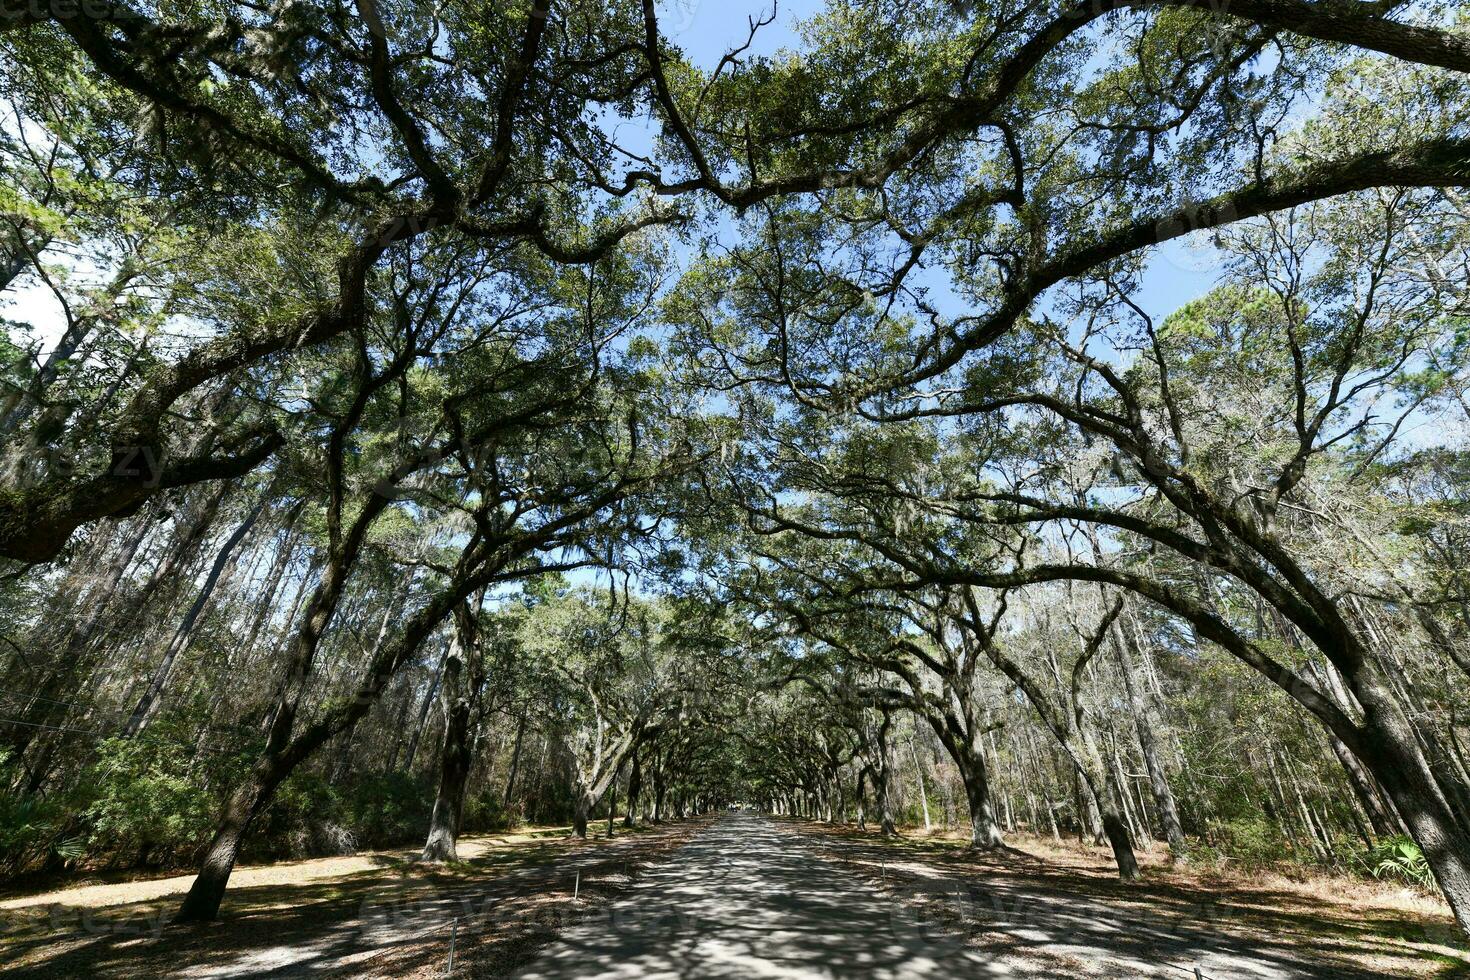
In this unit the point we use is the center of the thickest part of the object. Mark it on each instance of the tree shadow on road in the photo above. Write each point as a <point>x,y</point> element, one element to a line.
<point>339,924</point>
<point>1162,926</point>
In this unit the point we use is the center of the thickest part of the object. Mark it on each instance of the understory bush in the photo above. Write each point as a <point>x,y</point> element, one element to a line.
<point>388,809</point>
<point>150,798</point>
<point>33,831</point>
<point>312,816</point>
<point>296,822</point>
<point>1254,841</point>
<point>1397,858</point>
<point>486,812</point>
<point>154,799</point>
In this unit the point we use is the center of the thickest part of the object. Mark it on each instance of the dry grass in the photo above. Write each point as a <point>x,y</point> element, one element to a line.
<point>1310,884</point>
<point>371,914</point>
<point>92,892</point>
<point>1329,926</point>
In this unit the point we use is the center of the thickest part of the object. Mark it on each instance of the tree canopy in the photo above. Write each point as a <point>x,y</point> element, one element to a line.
<point>493,410</point>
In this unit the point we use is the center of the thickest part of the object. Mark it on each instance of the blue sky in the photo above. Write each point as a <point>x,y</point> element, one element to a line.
<point>706,29</point>
<point>1177,271</point>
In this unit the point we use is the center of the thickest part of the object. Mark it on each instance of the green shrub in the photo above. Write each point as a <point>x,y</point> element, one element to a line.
<point>388,809</point>
<point>148,797</point>
<point>1253,841</point>
<point>1397,858</point>
<point>31,829</point>
<point>312,816</point>
<point>303,820</point>
<point>487,813</point>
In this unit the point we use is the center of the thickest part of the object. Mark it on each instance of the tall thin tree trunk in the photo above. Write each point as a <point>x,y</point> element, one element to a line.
<point>612,803</point>
<point>423,720</point>
<point>1144,720</point>
<point>635,787</point>
<point>515,758</point>
<point>923,794</point>
<point>285,749</point>
<point>148,703</point>
<point>47,704</point>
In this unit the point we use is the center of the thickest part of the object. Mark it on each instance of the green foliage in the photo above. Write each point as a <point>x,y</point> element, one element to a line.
<point>1397,858</point>
<point>955,192</point>
<point>384,809</point>
<point>296,821</point>
<point>312,815</point>
<point>29,829</point>
<point>486,812</point>
<point>33,828</point>
<point>1253,841</point>
<point>147,795</point>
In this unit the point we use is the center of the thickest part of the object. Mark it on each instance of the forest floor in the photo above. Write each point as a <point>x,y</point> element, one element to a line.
<point>737,897</point>
<point>375,913</point>
<point>1044,909</point>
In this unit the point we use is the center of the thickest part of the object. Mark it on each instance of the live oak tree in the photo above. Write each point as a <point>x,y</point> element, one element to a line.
<point>935,643</point>
<point>1220,446</point>
<point>608,685</point>
<point>911,642</point>
<point>1233,475</point>
<point>353,318</point>
<point>401,122</point>
<point>836,306</point>
<point>349,129</point>
<point>533,479</point>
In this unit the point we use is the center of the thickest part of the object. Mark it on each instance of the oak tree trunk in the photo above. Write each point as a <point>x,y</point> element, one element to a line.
<point>454,770</point>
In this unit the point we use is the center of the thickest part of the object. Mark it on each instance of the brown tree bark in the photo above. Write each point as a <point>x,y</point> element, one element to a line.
<point>463,686</point>
<point>883,774</point>
<point>635,789</point>
<point>1145,719</point>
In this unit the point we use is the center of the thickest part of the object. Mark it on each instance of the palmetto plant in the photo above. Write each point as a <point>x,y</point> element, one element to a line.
<point>1397,858</point>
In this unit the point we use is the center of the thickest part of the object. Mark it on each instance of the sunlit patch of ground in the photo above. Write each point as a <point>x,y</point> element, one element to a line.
<point>1063,901</point>
<point>375,913</point>
<point>131,887</point>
